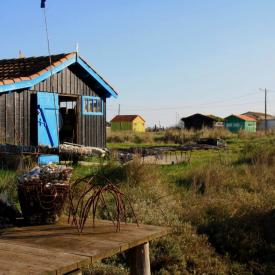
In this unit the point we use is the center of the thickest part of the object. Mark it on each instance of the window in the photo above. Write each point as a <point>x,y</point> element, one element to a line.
<point>92,105</point>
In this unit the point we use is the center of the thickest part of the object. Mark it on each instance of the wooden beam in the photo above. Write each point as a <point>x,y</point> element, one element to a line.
<point>140,260</point>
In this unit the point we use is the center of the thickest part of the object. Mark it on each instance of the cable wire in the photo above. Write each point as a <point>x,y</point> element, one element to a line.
<point>51,71</point>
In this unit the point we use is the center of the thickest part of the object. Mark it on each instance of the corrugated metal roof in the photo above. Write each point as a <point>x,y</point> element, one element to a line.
<point>258,115</point>
<point>125,118</point>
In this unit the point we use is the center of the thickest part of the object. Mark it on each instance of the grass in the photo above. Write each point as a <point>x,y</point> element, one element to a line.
<point>220,207</point>
<point>8,186</point>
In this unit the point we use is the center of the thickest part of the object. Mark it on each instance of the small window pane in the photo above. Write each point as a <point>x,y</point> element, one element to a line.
<point>92,105</point>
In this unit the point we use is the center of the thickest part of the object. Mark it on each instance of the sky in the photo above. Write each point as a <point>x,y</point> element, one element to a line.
<point>166,59</point>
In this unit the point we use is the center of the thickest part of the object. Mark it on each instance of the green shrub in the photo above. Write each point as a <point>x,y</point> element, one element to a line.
<point>8,188</point>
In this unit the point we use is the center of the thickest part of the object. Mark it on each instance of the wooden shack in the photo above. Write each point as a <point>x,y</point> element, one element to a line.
<point>198,121</point>
<point>43,104</point>
<point>236,123</point>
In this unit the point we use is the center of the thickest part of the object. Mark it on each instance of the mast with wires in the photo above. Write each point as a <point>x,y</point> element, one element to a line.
<point>43,7</point>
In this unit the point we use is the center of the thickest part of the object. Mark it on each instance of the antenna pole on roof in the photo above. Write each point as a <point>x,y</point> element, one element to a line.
<point>118,109</point>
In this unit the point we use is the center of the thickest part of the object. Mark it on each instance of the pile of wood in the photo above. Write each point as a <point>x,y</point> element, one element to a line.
<point>66,150</point>
<point>76,149</point>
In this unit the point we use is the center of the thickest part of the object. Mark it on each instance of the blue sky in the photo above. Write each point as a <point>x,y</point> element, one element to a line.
<point>164,57</point>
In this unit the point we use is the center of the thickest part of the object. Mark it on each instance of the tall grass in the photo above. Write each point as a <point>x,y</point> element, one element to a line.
<point>180,136</point>
<point>234,206</point>
<point>222,213</point>
<point>8,186</point>
<point>157,203</point>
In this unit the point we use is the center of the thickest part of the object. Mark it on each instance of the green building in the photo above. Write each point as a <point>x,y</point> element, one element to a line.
<point>235,123</point>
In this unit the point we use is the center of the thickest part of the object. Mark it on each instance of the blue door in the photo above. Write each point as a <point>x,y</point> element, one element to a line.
<point>48,123</point>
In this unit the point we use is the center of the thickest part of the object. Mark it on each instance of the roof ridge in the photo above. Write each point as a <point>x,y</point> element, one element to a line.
<point>26,62</point>
<point>38,56</point>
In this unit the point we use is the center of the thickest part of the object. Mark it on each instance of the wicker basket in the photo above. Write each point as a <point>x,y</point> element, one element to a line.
<point>42,203</point>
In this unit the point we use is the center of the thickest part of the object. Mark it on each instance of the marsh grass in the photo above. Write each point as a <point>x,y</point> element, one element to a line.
<point>221,209</point>
<point>8,189</point>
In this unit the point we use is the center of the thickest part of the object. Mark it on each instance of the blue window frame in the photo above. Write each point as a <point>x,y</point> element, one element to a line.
<point>92,106</point>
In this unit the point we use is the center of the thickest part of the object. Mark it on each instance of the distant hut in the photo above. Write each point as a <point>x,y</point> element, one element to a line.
<point>260,118</point>
<point>133,123</point>
<point>198,121</point>
<point>235,123</point>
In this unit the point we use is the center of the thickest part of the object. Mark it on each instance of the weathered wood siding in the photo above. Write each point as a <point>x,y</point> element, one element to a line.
<point>15,118</point>
<point>15,109</point>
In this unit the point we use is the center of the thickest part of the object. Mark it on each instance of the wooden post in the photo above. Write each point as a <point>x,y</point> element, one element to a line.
<point>140,260</point>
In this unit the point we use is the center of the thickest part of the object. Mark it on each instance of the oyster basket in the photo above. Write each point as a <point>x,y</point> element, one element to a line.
<point>42,204</point>
<point>42,195</point>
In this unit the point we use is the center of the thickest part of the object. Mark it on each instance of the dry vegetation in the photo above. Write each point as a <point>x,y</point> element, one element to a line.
<point>176,136</point>
<point>221,207</point>
<point>222,211</point>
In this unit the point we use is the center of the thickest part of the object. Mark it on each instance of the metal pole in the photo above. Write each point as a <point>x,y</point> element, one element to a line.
<point>265,109</point>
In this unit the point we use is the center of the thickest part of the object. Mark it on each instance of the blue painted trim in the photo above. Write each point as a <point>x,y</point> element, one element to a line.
<point>30,83</point>
<point>107,87</point>
<point>45,124</point>
<point>92,113</point>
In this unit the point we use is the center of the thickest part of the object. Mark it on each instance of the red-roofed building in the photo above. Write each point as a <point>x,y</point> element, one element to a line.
<point>133,123</point>
<point>236,123</point>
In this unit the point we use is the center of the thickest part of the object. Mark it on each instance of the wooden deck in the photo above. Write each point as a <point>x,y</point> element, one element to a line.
<point>59,249</point>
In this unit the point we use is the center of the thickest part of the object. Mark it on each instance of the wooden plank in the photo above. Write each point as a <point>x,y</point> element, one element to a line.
<point>25,111</point>
<point>10,118</point>
<point>21,112</point>
<point>64,79</point>
<point>68,83</point>
<point>2,118</point>
<point>28,117</point>
<point>17,118</point>
<point>96,242</point>
<point>37,260</point>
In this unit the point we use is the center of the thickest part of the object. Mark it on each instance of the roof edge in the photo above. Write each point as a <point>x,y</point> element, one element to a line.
<point>71,58</point>
<point>121,116</point>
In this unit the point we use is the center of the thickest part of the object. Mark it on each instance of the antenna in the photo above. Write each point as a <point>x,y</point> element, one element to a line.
<point>77,47</point>
<point>118,109</point>
<point>21,54</point>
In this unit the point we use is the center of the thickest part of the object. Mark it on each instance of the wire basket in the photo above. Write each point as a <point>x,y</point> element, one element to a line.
<point>42,203</point>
